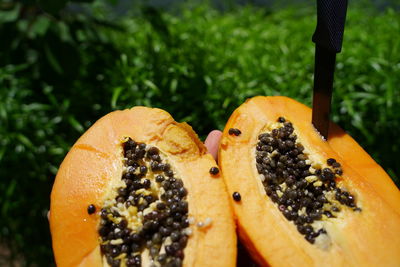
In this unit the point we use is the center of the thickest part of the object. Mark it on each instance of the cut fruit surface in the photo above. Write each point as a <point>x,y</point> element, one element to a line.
<point>139,189</point>
<point>301,201</point>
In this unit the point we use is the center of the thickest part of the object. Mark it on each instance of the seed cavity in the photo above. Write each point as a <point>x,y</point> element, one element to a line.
<point>144,220</point>
<point>234,131</point>
<point>236,196</point>
<point>305,192</point>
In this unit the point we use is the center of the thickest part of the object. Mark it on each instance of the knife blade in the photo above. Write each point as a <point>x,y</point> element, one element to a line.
<point>328,38</point>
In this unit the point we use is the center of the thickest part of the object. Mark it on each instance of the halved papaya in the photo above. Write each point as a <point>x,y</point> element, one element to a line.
<point>139,189</point>
<point>301,201</point>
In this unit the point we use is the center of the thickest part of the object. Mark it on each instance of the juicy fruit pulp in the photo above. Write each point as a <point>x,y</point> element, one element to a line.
<point>147,219</point>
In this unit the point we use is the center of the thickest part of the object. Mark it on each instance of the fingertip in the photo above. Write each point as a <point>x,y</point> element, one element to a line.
<point>214,134</point>
<point>212,142</point>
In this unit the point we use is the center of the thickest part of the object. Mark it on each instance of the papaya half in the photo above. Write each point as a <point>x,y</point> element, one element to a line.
<point>300,200</point>
<point>139,189</point>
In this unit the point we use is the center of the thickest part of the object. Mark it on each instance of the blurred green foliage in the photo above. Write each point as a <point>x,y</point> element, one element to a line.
<point>62,69</point>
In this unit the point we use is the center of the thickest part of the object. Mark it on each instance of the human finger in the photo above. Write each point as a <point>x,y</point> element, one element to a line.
<point>212,142</point>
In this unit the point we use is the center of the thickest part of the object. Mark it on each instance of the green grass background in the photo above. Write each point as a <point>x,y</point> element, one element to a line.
<point>62,70</point>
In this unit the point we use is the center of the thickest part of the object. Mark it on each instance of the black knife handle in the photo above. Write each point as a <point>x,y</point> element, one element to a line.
<point>331,16</point>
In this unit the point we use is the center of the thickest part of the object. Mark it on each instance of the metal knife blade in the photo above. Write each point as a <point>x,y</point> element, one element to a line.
<point>328,37</point>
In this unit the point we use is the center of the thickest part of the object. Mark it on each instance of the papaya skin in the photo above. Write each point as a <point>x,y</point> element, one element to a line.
<point>366,238</point>
<point>95,161</point>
